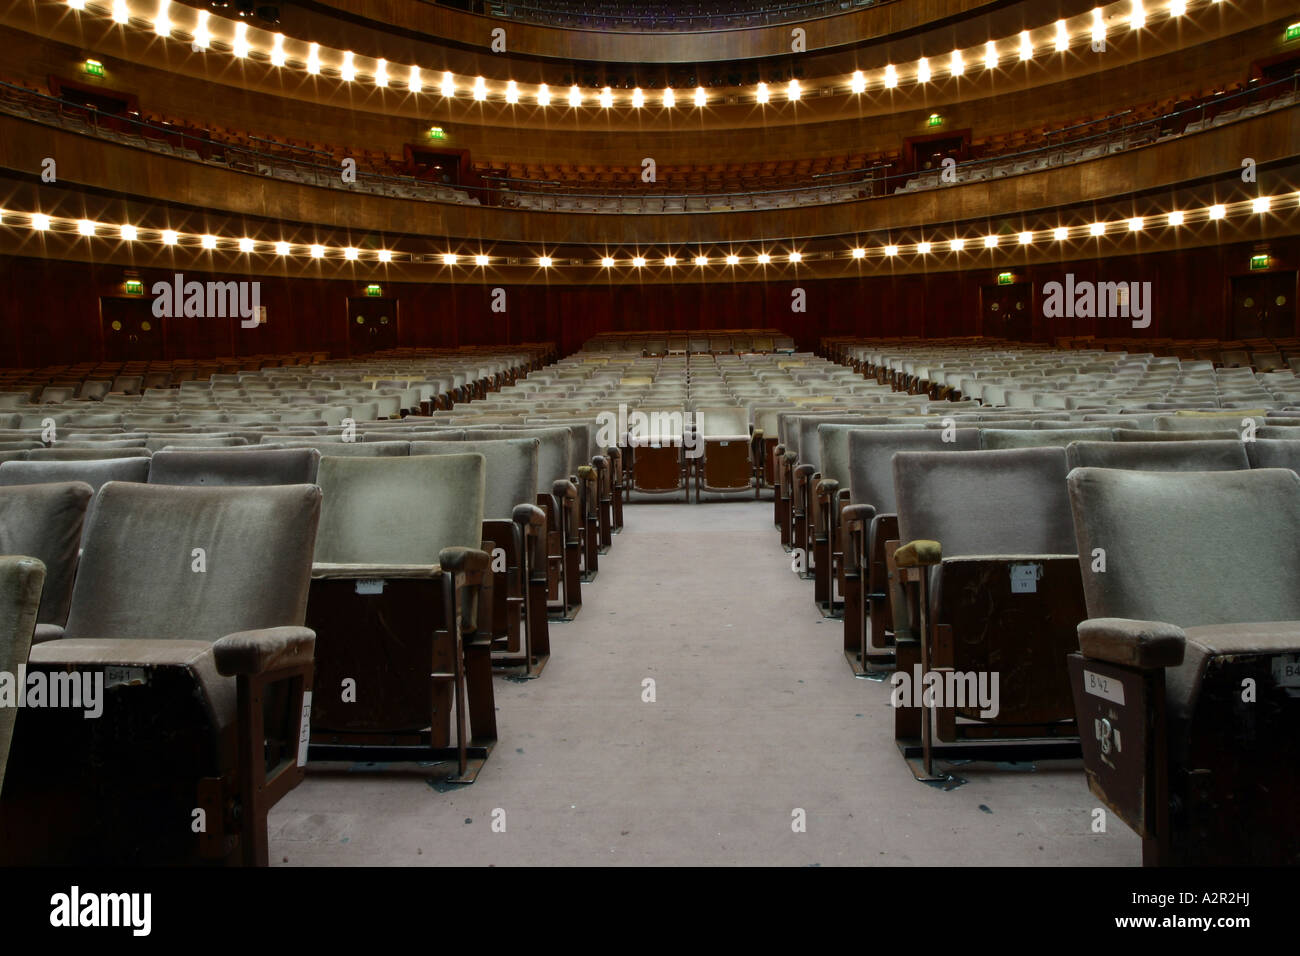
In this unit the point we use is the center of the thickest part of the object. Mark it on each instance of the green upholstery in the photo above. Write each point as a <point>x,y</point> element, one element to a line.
<point>63,453</point>
<point>511,469</point>
<point>1133,434</point>
<point>21,580</point>
<point>95,472</point>
<point>291,466</point>
<point>1274,453</point>
<point>871,453</point>
<point>157,443</point>
<point>554,455</point>
<point>45,521</point>
<point>1159,456</point>
<point>994,438</point>
<point>399,511</point>
<point>351,449</point>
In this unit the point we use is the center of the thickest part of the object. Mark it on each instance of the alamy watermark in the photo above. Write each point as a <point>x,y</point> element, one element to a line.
<point>1098,300</point>
<point>653,429</point>
<point>209,300</point>
<point>947,689</point>
<point>77,690</point>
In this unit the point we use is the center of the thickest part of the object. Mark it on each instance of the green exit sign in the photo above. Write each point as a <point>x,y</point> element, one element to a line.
<point>1260,262</point>
<point>93,67</point>
<point>1005,278</point>
<point>934,120</point>
<point>133,287</point>
<point>1293,32</point>
<point>437,132</point>
<point>374,291</point>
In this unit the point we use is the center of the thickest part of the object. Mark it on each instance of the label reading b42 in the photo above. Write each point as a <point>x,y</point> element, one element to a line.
<point>1286,670</point>
<point>1099,685</point>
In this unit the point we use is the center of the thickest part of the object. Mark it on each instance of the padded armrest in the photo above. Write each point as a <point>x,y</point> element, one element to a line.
<point>529,515</point>
<point>919,553</point>
<point>804,471</point>
<point>863,513</point>
<point>457,560</point>
<point>828,487</point>
<point>375,571</point>
<point>255,652</point>
<point>1146,645</point>
<point>758,434</point>
<point>564,488</point>
<point>47,632</point>
<point>587,473</point>
<point>599,461</point>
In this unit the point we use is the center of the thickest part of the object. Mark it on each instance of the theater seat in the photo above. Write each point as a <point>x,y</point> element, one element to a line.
<point>95,472</point>
<point>1184,681</point>
<point>45,521</point>
<point>290,466</point>
<point>21,580</point>
<point>188,606</point>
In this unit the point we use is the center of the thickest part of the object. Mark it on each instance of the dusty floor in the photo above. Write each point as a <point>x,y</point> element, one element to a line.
<point>756,716</point>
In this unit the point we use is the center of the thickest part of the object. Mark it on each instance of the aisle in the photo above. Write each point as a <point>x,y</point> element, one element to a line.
<point>756,714</point>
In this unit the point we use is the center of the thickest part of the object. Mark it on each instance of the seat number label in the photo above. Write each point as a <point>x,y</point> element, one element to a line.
<point>304,729</point>
<point>370,586</point>
<point>1286,670</point>
<point>1101,686</point>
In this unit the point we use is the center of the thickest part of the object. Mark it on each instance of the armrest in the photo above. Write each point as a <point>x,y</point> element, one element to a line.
<point>1146,645</point>
<point>587,473</point>
<point>462,560</point>
<point>47,632</point>
<point>919,553</point>
<point>803,471</point>
<point>828,488</point>
<point>271,648</point>
<point>758,434</point>
<point>530,515</point>
<point>374,571</point>
<point>862,513</point>
<point>564,488</point>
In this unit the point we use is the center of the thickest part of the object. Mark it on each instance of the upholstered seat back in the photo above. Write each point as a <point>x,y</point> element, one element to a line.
<point>21,579</point>
<point>511,469</point>
<point>289,466</point>
<point>722,421</point>
<point>45,522</point>
<point>1011,501</point>
<point>1160,455</point>
<point>399,510</point>
<point>1155,530</point>
<point>994,438</point>
<point>95,472</point>
<point>164,562</point>
<point>871,453</point>
<point>808,443</point>
<point>554,453</point>
<point>63,453</point>
<point>350,449</point>
<point>1274,453</point>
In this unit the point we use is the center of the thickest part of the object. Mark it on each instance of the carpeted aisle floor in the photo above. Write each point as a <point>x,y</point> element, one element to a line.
<point>756,715</point>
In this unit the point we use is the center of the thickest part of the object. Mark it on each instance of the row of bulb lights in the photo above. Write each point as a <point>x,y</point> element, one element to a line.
<point>345,65</point>
<point>40,222</point>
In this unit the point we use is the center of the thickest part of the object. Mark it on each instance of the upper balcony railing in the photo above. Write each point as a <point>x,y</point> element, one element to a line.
<point>654,17</point>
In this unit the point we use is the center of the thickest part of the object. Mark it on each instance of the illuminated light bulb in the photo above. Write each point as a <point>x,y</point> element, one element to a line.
<point>512,92</point>
<point>77,4</point>
<point>85,227</point>
<point>385,255</point>
<point>670,260</point>
<point>606,97</point>
<point>415,82</point>
<point>129,233</point>
<point>607,262</point>
<point>245,245</point>
<point>1026,46</point>
<point>381,73</point>
<point>761,93</point>
<point>639,261</point>
<point>208,242</point>
<point>240,45</point>
<point>990,242</point>
<point>1137,19</point>
<point>1060,233</point>
<point>282,248</point>
<point>859,253</point>
<point>638,98</point>
<point>351,254</point>
<point>481,260</point>
<point>162,23</point>
<point>764,258</point>
<point>278,57</point>
<point>891,250</point>
<point>1177,8</point>
<point>317,251</point>
<point>793,91</point>
<point>796,257</point>
<point>1026,238</point>
<point>1097,229</point>
<point>701,98</point>
<point>733,260</point>
<point>701,260</point>
<point>1136,224</point>
<point>1217,211</point>
<point>923,248</point>
<point>923,70</point>
<point>1176,217</point>
<point>1062,37</point>
<point>1098,26</point>
<point>480,89</point>
<point>670,99</point>
<point>990,55</point>
<point>120,13</point>
<point>170,237</point>
<point>957,245</point>
<point>449,258</point>
<point>1261,204</point>
<point>313,59</point>
<point>891,77</point>
<point>575,96</point>
<point>348,69</point>
<point>448,86</point>
<point>202,36</point>
<point>544,262</point>
<point>858,82</point>
<point>543,95</point>
<point>957,66</point>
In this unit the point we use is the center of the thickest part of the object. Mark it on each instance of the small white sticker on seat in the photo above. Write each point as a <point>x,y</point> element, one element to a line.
<point>1101,686</point>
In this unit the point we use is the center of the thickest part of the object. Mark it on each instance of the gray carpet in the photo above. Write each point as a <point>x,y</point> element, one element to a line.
<point>756,715</point>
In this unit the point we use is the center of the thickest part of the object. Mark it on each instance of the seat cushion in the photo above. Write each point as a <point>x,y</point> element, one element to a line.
<point>1183,683</point>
